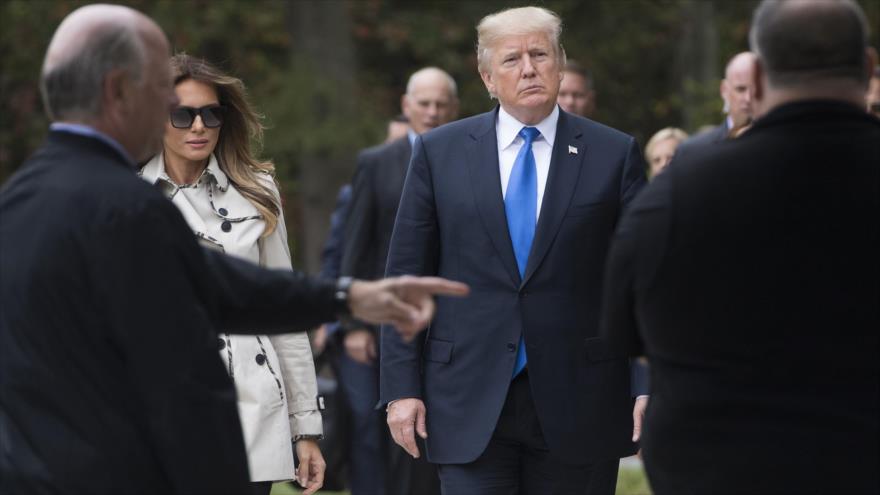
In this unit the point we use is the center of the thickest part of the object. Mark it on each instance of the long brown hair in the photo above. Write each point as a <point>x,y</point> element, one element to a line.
<point>241,126</point>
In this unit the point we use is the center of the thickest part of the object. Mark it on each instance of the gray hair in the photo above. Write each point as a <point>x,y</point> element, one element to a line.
<point>432,71</point>
<point>799,42</point>
<point>71,87</point>
<point>517,22</point>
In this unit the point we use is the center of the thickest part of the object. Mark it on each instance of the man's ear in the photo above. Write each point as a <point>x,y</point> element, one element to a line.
<point>760,88</point>
<point>115,94</point>
<point>487,80</point>
<point>403,104</point>
<point>722,90</point>
<point>870,62</point>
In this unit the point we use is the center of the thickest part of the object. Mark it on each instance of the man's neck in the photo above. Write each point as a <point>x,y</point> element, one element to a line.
<point>530,116</point>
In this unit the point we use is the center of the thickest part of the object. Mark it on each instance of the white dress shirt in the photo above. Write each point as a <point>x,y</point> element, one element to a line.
<point>509,143</point>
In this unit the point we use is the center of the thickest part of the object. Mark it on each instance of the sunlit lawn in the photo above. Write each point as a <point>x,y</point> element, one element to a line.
<point>630,481</point>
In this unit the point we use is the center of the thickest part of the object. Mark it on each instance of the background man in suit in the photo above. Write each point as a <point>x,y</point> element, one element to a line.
<point>576,93</point>
<point>736,90</point>
<point>98,395</point>
<point>751,285</point>
<point>512,389</point>
<point>431,100</point>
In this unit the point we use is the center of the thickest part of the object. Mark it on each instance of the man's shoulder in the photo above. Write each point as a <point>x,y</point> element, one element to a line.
<point>474,126</point>
<point>707,138</point>
<point>595,130</point>
<point>391,152</point>
<point>91,179</point>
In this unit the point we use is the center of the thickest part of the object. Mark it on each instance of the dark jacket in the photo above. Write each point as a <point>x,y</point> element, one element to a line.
<point>375,196</point>
<point>109,375</point>
<point>748,274</point>
<point>452,223</point>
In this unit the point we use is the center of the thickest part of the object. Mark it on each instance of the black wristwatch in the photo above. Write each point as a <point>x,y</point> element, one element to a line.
<point>340,297</point>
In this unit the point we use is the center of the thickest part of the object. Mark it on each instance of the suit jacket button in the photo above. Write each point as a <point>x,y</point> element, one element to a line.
<point>261,358</point>
<point>511,346</point>
<point>226,226</point>
<point>223,212</point>
<point>221,343</point>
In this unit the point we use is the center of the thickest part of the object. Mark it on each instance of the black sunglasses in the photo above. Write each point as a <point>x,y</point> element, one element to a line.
<point>183,117</point>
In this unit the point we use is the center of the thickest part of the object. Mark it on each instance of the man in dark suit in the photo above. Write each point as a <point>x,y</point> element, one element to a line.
<point>109,310</point>
<point>752,285</point>
<point>513,389</point>
<point>430,101</point>
<point>736,91</point>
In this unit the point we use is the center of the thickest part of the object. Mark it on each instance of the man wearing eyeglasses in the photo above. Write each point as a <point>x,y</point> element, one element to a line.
<point>109,376</point>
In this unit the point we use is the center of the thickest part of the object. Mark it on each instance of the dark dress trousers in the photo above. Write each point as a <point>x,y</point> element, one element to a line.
<point>748,274</point>
<point>109,309</point>
<point>452,223</point>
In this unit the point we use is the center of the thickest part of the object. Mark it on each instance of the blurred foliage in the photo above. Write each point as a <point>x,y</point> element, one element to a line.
<point>656,63</point>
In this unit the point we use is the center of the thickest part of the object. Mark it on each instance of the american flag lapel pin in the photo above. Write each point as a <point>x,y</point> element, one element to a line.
<point>572,150</point>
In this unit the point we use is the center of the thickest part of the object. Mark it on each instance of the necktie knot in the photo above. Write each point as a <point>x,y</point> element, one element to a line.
<point>529,134</point>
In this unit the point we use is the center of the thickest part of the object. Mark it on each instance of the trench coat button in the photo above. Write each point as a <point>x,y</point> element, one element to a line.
<point>223,212</point>
<point>221,343</point>
<point>511,346</point>
<point>226,226</point>
<point>261,358</point>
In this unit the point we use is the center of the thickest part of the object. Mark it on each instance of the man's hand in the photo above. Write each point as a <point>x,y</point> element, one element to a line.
<point>310,474</point>
<point>639,416</point>
<point>360,345</point>
<point>405,302</point>
<point>405,418</point>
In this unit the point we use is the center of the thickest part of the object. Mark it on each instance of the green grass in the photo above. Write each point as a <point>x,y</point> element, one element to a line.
<point>630,481</point>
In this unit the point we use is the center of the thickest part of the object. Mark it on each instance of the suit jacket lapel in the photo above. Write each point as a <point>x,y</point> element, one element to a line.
<point>565,168</point>
<point>482,156</point>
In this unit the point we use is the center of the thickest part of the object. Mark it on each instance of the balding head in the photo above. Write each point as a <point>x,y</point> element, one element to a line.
<point>89,43</point>
<point>800,42</point>
<point>737,88</point>
<point>431,99</point>
<point>104,66</point>
<point>810,49</point>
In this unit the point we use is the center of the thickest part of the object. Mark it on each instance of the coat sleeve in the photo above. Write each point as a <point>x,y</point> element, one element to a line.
<point>160,319</point>
<point>293,349</point>
<point>413,251</point>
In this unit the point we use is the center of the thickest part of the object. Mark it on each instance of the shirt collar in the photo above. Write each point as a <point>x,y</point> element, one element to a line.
<point>219,176</point>
<point>508,127</point>
<point>411,135</point>
<point>154,171</point>
<point>88,131</point>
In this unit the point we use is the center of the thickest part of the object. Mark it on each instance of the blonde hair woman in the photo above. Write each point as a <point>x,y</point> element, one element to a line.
<point>230,200</point>
<point>661,147</point>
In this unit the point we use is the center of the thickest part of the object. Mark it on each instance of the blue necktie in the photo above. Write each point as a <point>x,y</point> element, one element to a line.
<point>521,206</point>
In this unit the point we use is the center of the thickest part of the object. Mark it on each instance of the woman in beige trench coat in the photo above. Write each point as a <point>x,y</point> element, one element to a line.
<point>231,202</point>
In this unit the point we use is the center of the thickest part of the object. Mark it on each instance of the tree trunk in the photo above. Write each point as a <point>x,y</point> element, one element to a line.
<point>323,52</point>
